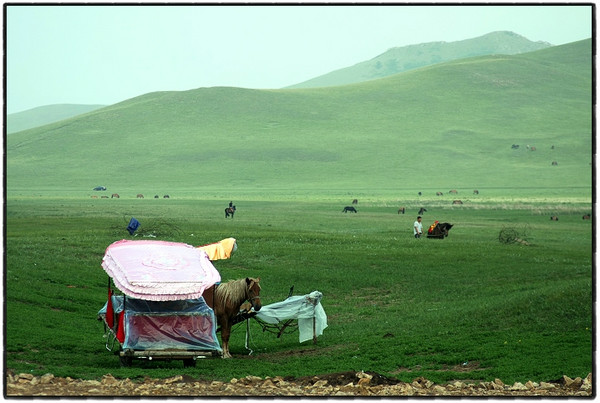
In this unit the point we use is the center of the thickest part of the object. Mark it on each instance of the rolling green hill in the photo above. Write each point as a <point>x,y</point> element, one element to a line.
<point>400,59</point>
<point>45,114</point>
<point>445,126</point>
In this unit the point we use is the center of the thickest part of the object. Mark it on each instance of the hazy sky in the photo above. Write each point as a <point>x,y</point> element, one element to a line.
<point>104,54</point>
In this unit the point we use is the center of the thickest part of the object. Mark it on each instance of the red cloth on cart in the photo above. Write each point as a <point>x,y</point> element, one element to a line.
<point>121,328</point>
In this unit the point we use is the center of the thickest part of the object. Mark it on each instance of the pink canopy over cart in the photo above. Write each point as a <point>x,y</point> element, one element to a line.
<point>159,270</point>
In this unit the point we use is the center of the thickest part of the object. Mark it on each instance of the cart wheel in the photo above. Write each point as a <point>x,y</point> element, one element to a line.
<point>125,361</point>
<point>189,363</point>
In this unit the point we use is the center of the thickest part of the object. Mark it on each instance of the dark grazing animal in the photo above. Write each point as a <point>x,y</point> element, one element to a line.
<point>422,210</point>
<point>554,218</point>
<point>165,196</point>
<point>453,191</point>
<point>229,211</point>
<point>439,194</point>
<point>115,195</point>
<point>355,201</point>
<point>586,217</point>
<point>140,196</point>
<point>476,192</point>
<point>440,231</point>
<point>554,163</point>
<point>228,299</point>
<point>457,202</point>
<point>402,210</point>
<point>350,209</point>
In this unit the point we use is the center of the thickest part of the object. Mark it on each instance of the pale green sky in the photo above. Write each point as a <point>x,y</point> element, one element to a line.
<point>105,54</point>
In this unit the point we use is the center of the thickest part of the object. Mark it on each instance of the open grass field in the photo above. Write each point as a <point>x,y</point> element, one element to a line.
<point>467,307</point>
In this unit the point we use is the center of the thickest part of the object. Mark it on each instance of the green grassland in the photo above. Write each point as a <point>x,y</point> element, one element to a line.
<point>395,305</point>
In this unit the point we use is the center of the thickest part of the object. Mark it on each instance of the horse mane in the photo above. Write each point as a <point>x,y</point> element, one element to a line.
<point>231,294</point>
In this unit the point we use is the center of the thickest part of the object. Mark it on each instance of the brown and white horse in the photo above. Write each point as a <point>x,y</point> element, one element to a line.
<point>228,299</point>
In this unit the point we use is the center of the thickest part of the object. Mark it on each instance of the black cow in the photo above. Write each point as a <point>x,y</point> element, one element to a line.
<point>350,209</point>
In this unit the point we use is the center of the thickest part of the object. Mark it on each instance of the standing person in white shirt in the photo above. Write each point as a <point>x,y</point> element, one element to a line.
<point>418,228</point>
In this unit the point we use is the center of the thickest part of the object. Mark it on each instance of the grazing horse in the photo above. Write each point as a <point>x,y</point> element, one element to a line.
<point>229,211</point>
<point>554,163</point>
<point>350,209</point>
<point>476,192</point>
<point>422,210</point>
<point>457,202</point>
<point>355,201</point>
<point>453,191</point>
<point>140,196</point>
<point>554,218</point>
<point>228,299</point>
<point>402,210</point>
<point>586,217</point>
<point>440,230</point>
<point>165,196</point>
<point>115,195</point>
<point>439,194</point>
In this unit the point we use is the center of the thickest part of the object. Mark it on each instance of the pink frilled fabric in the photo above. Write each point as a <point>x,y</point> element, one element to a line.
<point>159,270</point>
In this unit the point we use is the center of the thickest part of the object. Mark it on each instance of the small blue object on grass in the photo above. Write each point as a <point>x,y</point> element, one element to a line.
<point>133,225</point>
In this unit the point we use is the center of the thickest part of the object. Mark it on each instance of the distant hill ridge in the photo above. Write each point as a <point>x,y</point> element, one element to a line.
<point>399,59</point>
<point>43,115</point>
<point>450,125</point>
<point>395,60</point>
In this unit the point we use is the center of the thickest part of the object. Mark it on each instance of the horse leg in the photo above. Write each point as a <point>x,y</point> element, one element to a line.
<point>225,332</point>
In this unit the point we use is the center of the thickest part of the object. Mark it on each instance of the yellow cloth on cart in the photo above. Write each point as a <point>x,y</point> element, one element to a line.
<point>220,250</point>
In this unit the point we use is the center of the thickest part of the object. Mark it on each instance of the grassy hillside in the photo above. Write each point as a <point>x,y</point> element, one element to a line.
<point>397,60</point>
<point>441,127</point>
<point>43,115</point>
